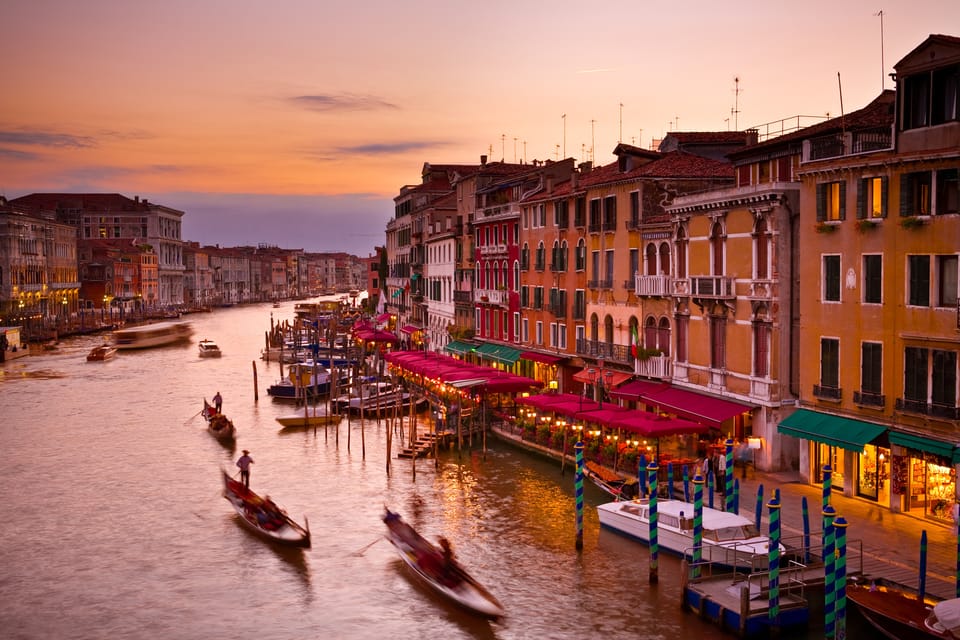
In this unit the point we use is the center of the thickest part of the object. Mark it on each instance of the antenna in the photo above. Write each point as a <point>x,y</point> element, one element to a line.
<point>735,112</point>
<point>514,149</point>
<point>503,142</point>
<point>557,154</point>
<point>592,138</point>
<point>620,138</point>
<point>564,116</point>
<point>882,65</point>
<point>843,129</point>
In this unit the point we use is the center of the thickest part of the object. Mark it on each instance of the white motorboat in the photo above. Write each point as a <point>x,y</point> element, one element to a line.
<point>373,397</point>
<point>152,335</point>
<point>729,540</point>
<point>209,349</point>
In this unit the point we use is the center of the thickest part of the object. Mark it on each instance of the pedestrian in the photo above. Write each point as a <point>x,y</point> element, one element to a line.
<point>244,463</point>
<point>218,402</point>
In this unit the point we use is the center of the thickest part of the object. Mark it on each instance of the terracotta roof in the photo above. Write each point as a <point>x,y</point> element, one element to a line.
<point>710,137</point>
<point>681,164</point>
<point>85,201</point>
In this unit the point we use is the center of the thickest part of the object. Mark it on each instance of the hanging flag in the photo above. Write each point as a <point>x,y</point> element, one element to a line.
<point>635,347</point>
<point>380,301</point>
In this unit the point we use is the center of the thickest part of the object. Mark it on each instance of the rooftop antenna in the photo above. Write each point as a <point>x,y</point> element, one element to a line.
<point>524,152</point>
<point>557,154</point>
<point>620,138</point>
<point>514,149</point>
<point>564,116</point>
<point>735,112</point>
<point>503,142</point>
<point>882,65</point>
<point>592,138</point>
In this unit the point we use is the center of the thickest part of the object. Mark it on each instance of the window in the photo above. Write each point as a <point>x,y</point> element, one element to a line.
<point>948,191</point>
<point>581,256</point>
<point>831,197</point>
<point>553,335</point>
<point>831,278</point>
<point>539,329</point>
<point>947,281</point>
<point>610,213</point>
<point>561,215</point>
<point>918,294</point>
<point>915,193</point>
<point>945,103</point>
<point>716,249</point>
<point>916,101</point>
<point>595,213</point>
<point>872,279</point>
<point>579,304</point>
<point>683,327</point>
<point>829,363</point>
<point>525,324</point>
<point>580,212</point>
<point>634,262</point>
<point>634,210</point>
<point>761,349</point>
<point>872,198</point>
<point>763,172</point>
<point>762,241</point>
<point>681,253</point>
<point>871,366</point>
<point>915,375</point>
<point>943,388</point>
<point>538,298</point>
<point>562,333</point>
<point>608,272</point>
<point>718,342</point>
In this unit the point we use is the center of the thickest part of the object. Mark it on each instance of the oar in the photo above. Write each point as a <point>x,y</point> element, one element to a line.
<point>361,551</point>
<point>193,416</point>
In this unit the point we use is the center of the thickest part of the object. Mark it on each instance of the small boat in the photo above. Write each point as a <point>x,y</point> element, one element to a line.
<point>945,618</point>
<point>374,397</point>
<point>103,352</point>
<point>896,610</point>
<point>262,516</point>
<point>729,540</point>
<point>218,425</point>
<point>316,420</point>
<point>439,570</point>
<point>152,335</point>
<point>612,483</point>
<point>303,379</point>
<point>209,349</point>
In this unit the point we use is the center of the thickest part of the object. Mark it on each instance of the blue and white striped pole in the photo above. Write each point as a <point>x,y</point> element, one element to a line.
<point>652,513</point>
<point>829,574</point>
<point>711,480</point>
<point>922,591</point>
<point>805,512</point>
<point>728,473</point>
<point>827,479</point>
<point>686,483</point>
<point>759,511</point>
<point>736,496</point>
<point>642,475</point>
<point>669,481</point>
<point>578,492</point>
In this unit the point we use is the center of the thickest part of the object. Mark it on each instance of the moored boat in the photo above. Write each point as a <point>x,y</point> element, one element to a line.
<point>218,425</point>
<point>314,420</point>
<point>729,540</point>
<point>439,569</point>
<point>896,610</point>
<point>374,397</point>
<point>209,349</point>
<point>617,486</point>
<point>263,517</point>
<point>101,353</point>
<point>303,379</point>
<point>152,335</point>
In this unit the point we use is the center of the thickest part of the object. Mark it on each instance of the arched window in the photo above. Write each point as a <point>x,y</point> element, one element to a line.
<point>665,259</point>
<point>555,256</point>
<point>762,242</point>
<point>504,275</point>
<point>650,333</point>
<point>608,333</point>
<point>650,257</point>
<point>594,328</point>
<point>564,251</point>
<point>516,275</point>
<point>476,276</point>
<point>716,247</point>
<point>581,258</point>
<point>663,336</point>
<point>681,253</point>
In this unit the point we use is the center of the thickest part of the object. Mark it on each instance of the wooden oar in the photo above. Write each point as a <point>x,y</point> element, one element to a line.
<point>193,416</point>
<point>361,551</point>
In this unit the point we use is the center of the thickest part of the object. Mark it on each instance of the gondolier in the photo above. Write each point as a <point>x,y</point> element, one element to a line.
<point>218,402</point>
<point>244,463</point>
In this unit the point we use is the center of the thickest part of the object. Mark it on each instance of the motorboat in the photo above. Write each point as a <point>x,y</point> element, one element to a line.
<point>152,335</point>
<point>729,540</point>
<point>101,353</point>
<point>374,396</point>
<point>304,379</point>
<point>611,483</point>
<point>439,569</point>
<point>209,349</point>
<point>263,517</point>
<point>897,611</point>
<point>294,420</point>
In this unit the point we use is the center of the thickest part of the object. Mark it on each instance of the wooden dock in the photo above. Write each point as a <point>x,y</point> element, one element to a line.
<point>424,445</point>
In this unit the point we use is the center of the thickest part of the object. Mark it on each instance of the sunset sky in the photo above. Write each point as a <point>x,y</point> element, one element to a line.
<point>296,122</point>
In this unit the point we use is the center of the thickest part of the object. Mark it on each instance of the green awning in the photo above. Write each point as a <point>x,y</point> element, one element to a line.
<point>486,350</point>
<point>459,348</point>
<point>845,433</point>
<point>498,353</point>
<point>943,449</point>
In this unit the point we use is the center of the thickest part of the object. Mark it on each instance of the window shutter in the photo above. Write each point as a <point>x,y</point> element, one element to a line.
<point>861,199</point>
<point>821,203</point>
<point>884,181</point>
<point>906,195</point>
<point>843,201</point>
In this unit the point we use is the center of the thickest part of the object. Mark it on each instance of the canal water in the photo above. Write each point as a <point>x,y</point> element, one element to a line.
<point>114,525</point>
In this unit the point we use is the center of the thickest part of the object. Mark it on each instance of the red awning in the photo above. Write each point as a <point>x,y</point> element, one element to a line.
<point>383,317</point>
<point>651,425</point>
<point>634,389</point>
<point>545,358</point>
<point>700,407</point>
<point>410,328</point>
<point>611,379</point>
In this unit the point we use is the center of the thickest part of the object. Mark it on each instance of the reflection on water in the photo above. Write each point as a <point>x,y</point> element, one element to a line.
<point>116,522</point>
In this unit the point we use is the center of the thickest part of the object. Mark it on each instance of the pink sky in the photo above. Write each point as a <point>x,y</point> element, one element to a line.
<point>318,112</point>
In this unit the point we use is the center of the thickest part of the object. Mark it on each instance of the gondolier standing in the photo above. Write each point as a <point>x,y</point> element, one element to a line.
<point>218,402</point>
<point>244,463</point>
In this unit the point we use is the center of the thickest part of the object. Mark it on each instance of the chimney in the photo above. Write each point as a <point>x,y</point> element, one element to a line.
<point>483,160</point>
<point>136,199</point>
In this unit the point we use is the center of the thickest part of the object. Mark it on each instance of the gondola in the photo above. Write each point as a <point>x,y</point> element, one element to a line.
<point>218,425</point>
<point>442,573</point>
<point>263,517</point>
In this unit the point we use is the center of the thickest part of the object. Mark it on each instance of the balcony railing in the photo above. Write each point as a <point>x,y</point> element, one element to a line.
<point>763,289</point>
<point>836,145</point>
<point>600,284</point>
<point>869,399</point>
<point>654,367</point>
<point>714,287</point>
<point>928,409</point>
<point>619,353</point>
<point>653,286</point>
<point>594,227</point>
<point>827,393</point>
<point>491,296</point>
<point>493,249</point>
<point>463,296</point>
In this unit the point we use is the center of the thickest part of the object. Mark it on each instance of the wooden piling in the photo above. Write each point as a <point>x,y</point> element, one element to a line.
<point>256,397</point>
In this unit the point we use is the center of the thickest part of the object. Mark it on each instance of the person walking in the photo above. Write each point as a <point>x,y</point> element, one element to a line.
<point>244,463</point>
<point>218,402</point>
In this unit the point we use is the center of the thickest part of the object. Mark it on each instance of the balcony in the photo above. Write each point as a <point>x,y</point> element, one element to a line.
<point>558,310</point>
<point>763,290</point>
<point>595,227</point>
<point>653,286</point>
<point>869,399</point>
<point>600,284</point>
<point>491,296</point>
<point>931,409</point>
<point>851,143</point>
<point>619,353</point>
<point>463,296</point>
<point>654,367</point>
<point>824,392</point>
<point>712,287</point>
<point>493,249</point>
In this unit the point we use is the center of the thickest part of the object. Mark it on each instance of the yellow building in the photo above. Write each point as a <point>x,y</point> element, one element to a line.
<point>879,240</point>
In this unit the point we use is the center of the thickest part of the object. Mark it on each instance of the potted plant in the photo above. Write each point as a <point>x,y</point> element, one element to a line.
<point>823,227</point>
<point>911,222</point>
<point>865,224</point>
